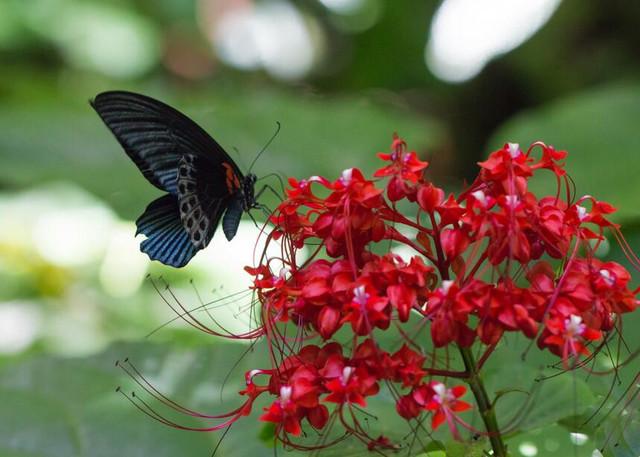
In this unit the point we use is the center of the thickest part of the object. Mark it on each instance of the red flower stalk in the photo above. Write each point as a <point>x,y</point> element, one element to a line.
<point>494,259</point>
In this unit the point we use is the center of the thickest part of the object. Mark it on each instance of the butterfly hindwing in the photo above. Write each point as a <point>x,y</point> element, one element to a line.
<point>167,240</point>
<point>202,200</point>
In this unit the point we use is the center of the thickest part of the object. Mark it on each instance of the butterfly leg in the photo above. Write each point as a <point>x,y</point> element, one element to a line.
<point>269,188</point>
<point>253,219</point>
<point>279,178</point>
<point>265,210</point>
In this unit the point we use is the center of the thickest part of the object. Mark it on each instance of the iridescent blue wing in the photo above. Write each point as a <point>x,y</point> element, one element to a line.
<point>156,136</point>
<point>168,241</point>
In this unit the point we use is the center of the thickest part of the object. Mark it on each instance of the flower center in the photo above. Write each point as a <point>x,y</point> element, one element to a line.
<point>480,196</point>
<point>574,326</point>
<point>607,276</point>
<point>514,150</point>
<point>446,285</point>
<point>443,395</point>
<point>345,179</point>
<point>512,201</point>
<point>346,374</point>
<point>360,296</point>
<point>582,212</point>
<point>285,394</point>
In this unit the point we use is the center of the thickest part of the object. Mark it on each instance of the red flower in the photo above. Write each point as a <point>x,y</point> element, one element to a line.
<point>450,211</point>
<point>444,403</point>
<point>551,159</point>
<point>351,385</point>
<point>284,412</point>
<point>367,311</point>
<point>567,337</point>
<point>404,165</point>
<point>430,197</point>
<point>449,316</point>
<point>409,366</point>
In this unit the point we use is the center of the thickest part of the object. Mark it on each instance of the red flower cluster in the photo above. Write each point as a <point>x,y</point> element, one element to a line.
<point>315,376</point>
<point>494,259</point>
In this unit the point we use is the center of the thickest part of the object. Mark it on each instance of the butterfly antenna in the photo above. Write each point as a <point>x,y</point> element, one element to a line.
<point>235,149</point>
<point>275,134</point>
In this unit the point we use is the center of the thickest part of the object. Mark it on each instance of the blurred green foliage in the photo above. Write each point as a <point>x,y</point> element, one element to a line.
<point>575,84</point>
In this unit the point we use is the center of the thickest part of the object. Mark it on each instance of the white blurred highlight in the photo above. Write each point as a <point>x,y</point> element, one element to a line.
<point>112,41</point>
<point>343,6</point>
<point>124,267</point>
<point>19,326</point>
<point>69,237</point>
<point>578,439</point>
<point>467,34</point>
<point>528,449</point>
<point>271,35</point>
<point>72,236</point>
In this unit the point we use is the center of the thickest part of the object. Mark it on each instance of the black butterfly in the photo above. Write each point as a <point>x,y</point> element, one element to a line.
<point>177,156</point>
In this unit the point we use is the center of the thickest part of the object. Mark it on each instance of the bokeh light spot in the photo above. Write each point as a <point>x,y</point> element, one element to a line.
<point>528,449</point>
<point>124,266</point>
<point>343,6</point>
<point>578,439</point>
<point>104,39</point>
<point>19,326</point>
<point>271,35</point>
<point>72,236</point>
<point>467,34</point>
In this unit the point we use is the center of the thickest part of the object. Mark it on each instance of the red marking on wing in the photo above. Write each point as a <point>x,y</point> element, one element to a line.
<point>232,181</point>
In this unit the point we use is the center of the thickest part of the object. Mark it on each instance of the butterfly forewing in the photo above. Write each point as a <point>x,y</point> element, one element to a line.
<point>155,136</point>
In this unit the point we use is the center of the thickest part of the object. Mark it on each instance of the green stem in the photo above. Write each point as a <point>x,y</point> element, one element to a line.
<point>487,412</point>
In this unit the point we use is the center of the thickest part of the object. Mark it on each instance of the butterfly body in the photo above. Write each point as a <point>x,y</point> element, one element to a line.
<point>203,184</point>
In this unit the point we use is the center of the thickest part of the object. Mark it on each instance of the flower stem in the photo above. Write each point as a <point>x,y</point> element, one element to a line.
<point>487,412</point>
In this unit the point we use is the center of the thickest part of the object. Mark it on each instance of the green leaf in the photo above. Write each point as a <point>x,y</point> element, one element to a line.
<point>550,440</point>
<point>532,403</point>
<point>599,129</point>
<point>69,408</point>
<point>435,446</point>
<point>37,425</point>
<point>619,433</point>
<point>54,406</point>
<point>458,449</point>
<point>434,449</point>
